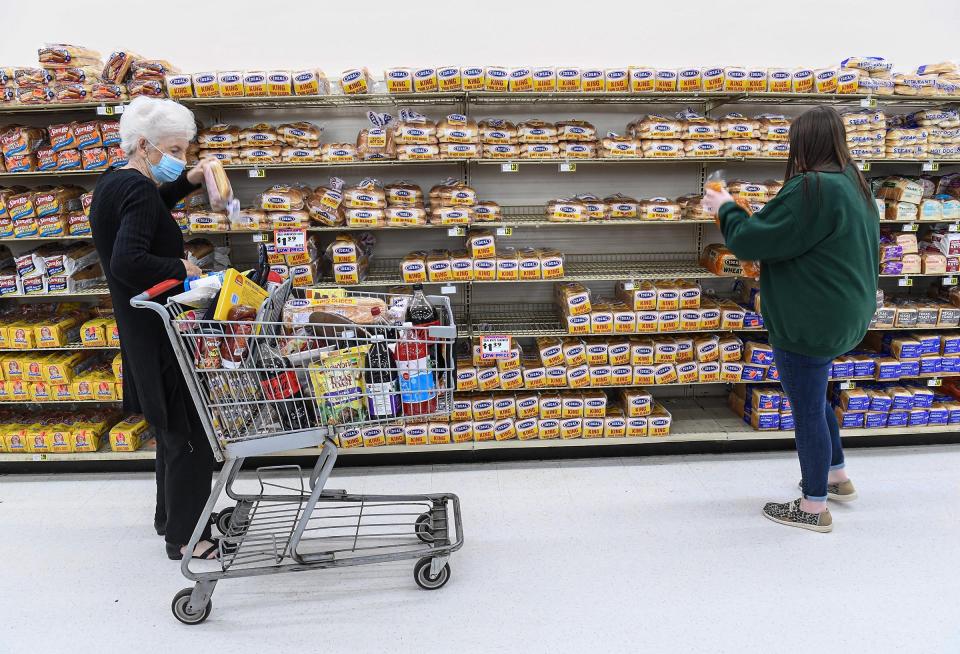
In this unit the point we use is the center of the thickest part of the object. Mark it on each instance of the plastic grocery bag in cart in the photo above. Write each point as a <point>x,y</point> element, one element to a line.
<point>716,181</point>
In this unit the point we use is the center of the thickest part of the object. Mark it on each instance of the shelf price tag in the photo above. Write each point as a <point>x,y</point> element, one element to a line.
<point>568,167</point>
<point>628,286</point>
<point>509,167</point>
<point>847,385</point>
<point>262,237</point>
<point>863,165</point>
<point>950,281</point>
<point>935,382</point>
<point>290,241</point>
<point>905,281</point>
<point>448,290</point>
<point>456,231</point>
<point>256,172</point>
<point>106,110</point>
<point>868,103</point>
<point>909,227</point>
<point>930,166</point>
<point>495,346</point>
<point>504,231</point>
<point>953,227</point>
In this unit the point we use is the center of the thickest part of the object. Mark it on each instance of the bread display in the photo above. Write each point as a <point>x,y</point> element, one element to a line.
<point>259,135</point>
<point>494,131</point>
<point>536,131</point>
<point>614,146</point>
<point>457,128</point>
<point>219,136</point>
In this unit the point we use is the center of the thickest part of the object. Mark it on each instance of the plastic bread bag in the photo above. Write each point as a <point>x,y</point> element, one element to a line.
<point>118,65</point>
<point>219,190</point>
<point>377,141</point>
<point>413,128</point>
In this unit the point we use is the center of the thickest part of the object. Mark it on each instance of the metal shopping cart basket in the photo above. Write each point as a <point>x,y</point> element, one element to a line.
<point>290,378</point>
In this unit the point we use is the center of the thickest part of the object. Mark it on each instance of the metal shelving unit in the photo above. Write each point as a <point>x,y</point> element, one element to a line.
<point>47,239</point>
<point>70,347</point>
<point>97,290</point>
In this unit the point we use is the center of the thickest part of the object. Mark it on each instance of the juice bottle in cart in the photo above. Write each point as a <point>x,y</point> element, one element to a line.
<point>418,385</point>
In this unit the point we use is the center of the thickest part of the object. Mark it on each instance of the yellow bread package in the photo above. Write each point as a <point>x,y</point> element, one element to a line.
<point>128,434</point>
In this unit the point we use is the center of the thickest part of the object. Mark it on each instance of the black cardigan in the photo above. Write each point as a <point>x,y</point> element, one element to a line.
<point>140,244</point>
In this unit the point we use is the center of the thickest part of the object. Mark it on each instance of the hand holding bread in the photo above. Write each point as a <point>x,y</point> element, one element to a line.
<point>714,199</point>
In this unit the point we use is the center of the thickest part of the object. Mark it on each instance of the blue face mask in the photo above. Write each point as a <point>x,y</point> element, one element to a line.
<point>168,168</point>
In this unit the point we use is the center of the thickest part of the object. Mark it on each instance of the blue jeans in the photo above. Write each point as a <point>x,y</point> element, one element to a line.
<point>805,379</point>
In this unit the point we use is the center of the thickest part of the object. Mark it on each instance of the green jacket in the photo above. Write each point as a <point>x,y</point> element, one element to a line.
<point>819,264</point>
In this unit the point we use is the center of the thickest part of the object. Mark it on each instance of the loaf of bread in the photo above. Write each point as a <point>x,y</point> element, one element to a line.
<point>339,152</point>
<point>539,151</point>
<point>578,149</point>
<point>713,148</point>
<point>691,208</point>
<point>719,260</point>
<point>497,131</point>
<point>489,211</point>
<point>415,132</point>
<point>459,150</point>
<point>596,209</point>
<point>355,81</point>
<point>738,126</point>
<point>773,127</point>
<point>405,216</point>
<point>403,193</point>
<point>659,209</point>
<point>452,194</point>
<point>283,197</point>
<point>566,210</point>
<point>536,131</point>
<point>457,128</point>
<point>261,134</point>
<point>376,143</point>
<point>368,194</point>
<point>300,134</point>
<point>219,136</point>
<point>260,154</point>
<point>451,215</point>
<point>742,147</point>
<point>695,126</point>
<point>774,149</point>
<point>615,146</point>
<point>655,126</point>
<point>117,65</point>
<point>417,152</point>
<point>501,151</point>
<point>323,213</point>
<point>301,155</point>
<point>64,55</point>
<point>365,217</point>
<point>225,156</point>
<point>662,148</point>
<point>575,130</point>
<point>621,206</point>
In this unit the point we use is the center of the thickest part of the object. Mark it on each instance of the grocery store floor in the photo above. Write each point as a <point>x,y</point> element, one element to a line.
<point>667,554</point>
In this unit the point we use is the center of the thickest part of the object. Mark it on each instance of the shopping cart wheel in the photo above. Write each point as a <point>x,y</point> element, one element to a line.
<point>222,521</point>
<point>180,612</point>
<point>421,573</point>
<point>424,528</point>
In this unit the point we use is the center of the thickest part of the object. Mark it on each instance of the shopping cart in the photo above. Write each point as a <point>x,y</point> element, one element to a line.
<point>291,379</point>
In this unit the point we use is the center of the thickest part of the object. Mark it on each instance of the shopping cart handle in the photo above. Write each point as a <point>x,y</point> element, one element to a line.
<point>157,289</point>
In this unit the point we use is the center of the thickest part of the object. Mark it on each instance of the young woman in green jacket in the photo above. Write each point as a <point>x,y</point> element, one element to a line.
<point>817,243</point>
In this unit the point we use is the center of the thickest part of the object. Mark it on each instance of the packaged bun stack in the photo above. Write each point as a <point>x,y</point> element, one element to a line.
<point>866,133</point>
<point>538,139</point>
<point>405,205</point>
<point>577,139</point>
<point>458,137</point>
<point>365,204</point>
<point>499,139</point>
<point>285,206</point>
<point>415,136</point>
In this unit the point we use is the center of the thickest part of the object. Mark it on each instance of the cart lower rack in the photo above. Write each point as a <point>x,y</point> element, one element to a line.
<point>298,373</point>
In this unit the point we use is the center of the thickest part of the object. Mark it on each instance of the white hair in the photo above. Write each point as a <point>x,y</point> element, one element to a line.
<point>154,119</point>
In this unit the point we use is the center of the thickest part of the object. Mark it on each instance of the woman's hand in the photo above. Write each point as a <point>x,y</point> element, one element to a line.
<point>713,200</point>
<point>191,269</point>
<point>195,175</point>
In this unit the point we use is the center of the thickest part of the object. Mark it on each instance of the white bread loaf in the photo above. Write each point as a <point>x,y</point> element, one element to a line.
<point>339,152</point>
<point>742,147</point>
<point>615,146</point>
<point>261,134</point>
<point>575,130</point>
<point>501,151</point>
<point>495,131</point>
<point>260,154</point>
<point>457,128</point>
<point>738,126</point>
<point>417,152</point>
<point>698,148</point>
<point>662,149</point>
<point>536,131</point>
<point>539,151</point>
<point>578,149</point>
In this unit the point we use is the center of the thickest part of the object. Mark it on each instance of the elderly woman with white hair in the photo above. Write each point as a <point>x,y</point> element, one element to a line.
<point>140,245</point>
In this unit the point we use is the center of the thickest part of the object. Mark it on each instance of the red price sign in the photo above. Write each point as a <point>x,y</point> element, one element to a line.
<point>290,241</point>
<point>495,346</point>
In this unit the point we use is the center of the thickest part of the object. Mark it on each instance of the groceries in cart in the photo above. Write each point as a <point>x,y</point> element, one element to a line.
<point>263,355</point>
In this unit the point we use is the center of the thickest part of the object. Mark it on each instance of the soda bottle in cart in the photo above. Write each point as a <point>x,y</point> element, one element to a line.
<point>281,386</point>
<point>420,313</point>
<point>418,384</point>
<point>380,380</point>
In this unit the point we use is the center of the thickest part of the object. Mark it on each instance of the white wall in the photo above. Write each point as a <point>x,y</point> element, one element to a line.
<point>202,35</point>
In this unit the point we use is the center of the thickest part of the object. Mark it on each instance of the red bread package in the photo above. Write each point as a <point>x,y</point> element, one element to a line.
<point>88,134</point>
<point>46,159</point>
<point>116,156</point>
<point>93,158</point>
<point>68,160</point>
<point>110,132</point>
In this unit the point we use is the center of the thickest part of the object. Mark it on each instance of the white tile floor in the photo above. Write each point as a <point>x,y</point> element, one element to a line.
<point>618,555</point>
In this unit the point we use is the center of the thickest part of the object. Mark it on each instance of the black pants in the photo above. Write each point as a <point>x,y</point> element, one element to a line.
<point>184,473</point>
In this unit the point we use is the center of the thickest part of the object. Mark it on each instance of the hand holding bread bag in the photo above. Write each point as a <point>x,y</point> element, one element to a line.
<point>219,190</point>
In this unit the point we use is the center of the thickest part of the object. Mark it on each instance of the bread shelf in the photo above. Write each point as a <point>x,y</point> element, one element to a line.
<point>70,347</point>
<point>325,101</point>
<point>109,108</point>
<point>577,267</point>
<point>694,420</point>
<point>42,403</point>
<point>98,290</point>
<point>46,239</point>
